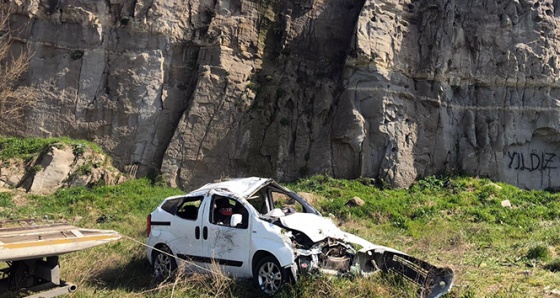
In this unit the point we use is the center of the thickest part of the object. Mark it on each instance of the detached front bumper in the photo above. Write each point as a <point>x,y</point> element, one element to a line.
<point>433,281</point>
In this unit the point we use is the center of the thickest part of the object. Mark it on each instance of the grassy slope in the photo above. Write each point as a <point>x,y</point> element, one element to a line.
<point>457,222</point>
<point>26,148</point>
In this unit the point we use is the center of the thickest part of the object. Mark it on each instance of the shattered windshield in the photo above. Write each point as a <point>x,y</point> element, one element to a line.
<point>258,201</point>
<point>286,203</point>
<point>277,202</point>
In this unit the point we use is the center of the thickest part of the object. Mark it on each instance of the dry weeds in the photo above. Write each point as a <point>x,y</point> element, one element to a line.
<point>13,64</point>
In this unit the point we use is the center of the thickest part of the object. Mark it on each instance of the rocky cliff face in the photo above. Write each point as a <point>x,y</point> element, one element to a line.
<point>461,85</point>
<point>59,165</point>
<point>200,89</point>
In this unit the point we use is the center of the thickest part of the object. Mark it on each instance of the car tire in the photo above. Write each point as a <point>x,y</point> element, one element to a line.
<point>268,276</point>
<point>164,265</point>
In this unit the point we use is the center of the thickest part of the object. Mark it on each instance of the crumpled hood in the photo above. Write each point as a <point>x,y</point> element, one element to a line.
<point>315,227</point>
<point>318,228</point>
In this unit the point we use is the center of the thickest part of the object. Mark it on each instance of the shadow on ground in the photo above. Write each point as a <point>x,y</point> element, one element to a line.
<point>136,277</point>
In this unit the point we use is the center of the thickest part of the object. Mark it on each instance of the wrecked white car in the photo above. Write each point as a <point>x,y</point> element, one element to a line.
<point>255,228</point>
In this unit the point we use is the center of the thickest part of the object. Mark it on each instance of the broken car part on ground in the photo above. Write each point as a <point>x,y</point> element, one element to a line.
<point>255,228</point>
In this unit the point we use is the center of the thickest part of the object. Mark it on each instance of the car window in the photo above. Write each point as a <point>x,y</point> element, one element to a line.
<point>222,209</point>
<point>258,201</point>
<point>171,205</point>
<point>188,208</point>
<point>286,203</point>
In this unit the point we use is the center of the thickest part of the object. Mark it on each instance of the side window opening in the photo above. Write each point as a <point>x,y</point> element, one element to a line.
<point>223,208</point>
<point>188,209</point>
<point>171,205</point>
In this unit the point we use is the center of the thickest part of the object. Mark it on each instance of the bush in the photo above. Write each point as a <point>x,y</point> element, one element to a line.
<point>77,54</point>
<point>553,266</point>
<point>539,252</point>
<point>252,86</point>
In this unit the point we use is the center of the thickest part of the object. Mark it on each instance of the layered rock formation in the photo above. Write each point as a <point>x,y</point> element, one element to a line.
<point>394,90</point>
<point>59,165</point>
<point>460,85</point>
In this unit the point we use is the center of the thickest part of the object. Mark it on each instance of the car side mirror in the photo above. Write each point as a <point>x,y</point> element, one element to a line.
<point>235,220</point>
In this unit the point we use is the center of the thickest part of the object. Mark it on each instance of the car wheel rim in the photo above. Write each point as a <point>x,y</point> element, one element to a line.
<point>270,278</point>
<point>162,265</point>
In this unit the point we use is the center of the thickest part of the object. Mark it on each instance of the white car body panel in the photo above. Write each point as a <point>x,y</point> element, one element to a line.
<point>315,227</point>
<point>318,228</point>
<point>268,237</point>
<point>241,187</point>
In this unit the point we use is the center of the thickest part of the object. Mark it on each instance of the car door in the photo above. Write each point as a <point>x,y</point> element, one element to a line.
<point>186,228</point>
<point>227,246</point>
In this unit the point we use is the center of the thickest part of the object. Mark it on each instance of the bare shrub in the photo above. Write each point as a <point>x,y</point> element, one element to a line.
<point>13,64</point>
<point>212,282</point>
<point>190,278</point>
<point>221,282</point>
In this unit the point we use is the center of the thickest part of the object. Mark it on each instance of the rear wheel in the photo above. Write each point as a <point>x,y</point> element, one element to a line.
<point>269,276</point>
<point>164,264</point>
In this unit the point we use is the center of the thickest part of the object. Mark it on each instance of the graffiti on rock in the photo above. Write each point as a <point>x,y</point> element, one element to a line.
<point>531,162</point>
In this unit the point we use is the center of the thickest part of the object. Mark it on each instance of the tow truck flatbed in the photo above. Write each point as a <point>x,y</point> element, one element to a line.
<point>31,252</point>
<point>21,243</point>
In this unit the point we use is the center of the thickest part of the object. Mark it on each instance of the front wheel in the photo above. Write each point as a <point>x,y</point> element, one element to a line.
<point>269,276</point>
<point>164,264</point>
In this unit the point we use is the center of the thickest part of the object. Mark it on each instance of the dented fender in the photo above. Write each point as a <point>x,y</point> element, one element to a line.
<point>268,237</point>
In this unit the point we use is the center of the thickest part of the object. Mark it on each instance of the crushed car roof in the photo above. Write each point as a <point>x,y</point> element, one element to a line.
<point>241,187</point>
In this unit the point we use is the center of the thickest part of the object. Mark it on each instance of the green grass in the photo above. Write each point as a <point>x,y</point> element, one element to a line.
<point>111,205</point>
<point>459,222</point>
<point>5,199</point>
<point>448,221</point>
<point>6,204</point>
<point>25,148</point>
<point>539,252</point>
<point>553,266</point>
<point>465,199</point>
